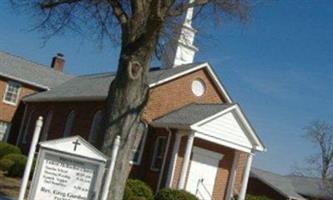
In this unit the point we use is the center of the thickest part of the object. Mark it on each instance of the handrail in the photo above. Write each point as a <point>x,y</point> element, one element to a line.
<point>198,192</point>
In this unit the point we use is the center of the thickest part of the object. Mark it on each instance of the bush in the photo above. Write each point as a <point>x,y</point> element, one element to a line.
<point>18,166</point>
<point>5,164</point>
<point>6,149</point>
<point>137,190</point>
<point>172,194</point>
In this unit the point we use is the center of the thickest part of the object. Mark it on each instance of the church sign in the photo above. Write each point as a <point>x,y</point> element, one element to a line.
<point>67,169</point>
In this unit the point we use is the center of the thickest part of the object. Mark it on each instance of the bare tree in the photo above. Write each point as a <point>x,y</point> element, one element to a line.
<point>320,134</point>
<point>138,26</point>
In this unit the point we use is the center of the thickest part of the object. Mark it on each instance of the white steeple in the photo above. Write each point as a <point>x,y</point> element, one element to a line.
<point>180,49</point>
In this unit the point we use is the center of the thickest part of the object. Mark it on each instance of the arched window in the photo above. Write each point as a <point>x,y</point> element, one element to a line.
<point>46,127</point>
<point>95,125</point>
<point>69,123</point>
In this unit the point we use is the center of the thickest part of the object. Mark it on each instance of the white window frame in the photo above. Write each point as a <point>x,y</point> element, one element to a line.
<point>140,149</point>
<point>152,167</point>
<point>5,134</point>
<point>94,128</point>
<point>69,123</point>
<point>17,95</point>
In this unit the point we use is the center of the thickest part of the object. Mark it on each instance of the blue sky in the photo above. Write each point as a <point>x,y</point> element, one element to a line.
<point>278,66</point>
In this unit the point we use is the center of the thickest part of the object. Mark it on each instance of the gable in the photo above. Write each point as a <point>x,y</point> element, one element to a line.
<point>226,128</point>
<point>67,145</point>
<point>172,95</point>
<point>230,128</point>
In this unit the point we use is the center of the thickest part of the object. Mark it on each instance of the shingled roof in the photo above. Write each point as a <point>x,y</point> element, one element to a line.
<point>312,187</point>
<point>281,184</point>
<point>26,71</point>
<point>190,114</point>
<point>293,187</point>
<point>96,86</point>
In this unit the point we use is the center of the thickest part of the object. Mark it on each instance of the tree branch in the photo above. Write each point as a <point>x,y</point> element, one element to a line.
<point>118,11</point>
<point>54,3</point>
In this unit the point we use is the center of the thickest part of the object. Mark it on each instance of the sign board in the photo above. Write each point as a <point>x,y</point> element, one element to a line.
<point>67,169</point>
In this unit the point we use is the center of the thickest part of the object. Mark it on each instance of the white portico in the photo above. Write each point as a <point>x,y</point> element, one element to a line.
<point>219,124</point>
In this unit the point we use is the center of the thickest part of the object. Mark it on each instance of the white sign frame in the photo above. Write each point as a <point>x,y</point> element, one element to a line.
<point>51,149</point>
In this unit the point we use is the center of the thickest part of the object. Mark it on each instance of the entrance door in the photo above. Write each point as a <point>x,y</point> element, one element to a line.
<point>202,173</point>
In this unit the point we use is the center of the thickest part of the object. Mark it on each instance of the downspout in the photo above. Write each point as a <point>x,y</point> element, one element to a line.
<point>164,161</point>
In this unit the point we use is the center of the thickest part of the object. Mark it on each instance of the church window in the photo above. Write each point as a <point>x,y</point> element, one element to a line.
<point>198,87</point>
<point>69,123</point>
<point>95,125</point>
<point>158,153</point>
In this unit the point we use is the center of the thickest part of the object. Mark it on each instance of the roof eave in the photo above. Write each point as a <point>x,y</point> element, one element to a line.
<point>169,125</point>
<point>25,81</point>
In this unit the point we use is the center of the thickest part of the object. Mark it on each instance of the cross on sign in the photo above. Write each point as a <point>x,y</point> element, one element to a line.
<point>76,143</point>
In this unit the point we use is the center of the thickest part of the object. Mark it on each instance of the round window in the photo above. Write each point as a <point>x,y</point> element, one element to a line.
<point>198,87</point>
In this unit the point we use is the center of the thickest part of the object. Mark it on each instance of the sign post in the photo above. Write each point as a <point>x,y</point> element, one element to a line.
<point>111,168</point>
<point>39,124</point>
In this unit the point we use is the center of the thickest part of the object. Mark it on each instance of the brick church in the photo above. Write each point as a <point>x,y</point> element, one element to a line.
<point>197,137</point>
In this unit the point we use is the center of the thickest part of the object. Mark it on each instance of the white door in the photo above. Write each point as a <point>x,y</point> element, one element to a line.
<point>202,173</point>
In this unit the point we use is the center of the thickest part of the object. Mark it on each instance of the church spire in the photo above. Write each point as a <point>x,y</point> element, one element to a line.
<point>180,49</point>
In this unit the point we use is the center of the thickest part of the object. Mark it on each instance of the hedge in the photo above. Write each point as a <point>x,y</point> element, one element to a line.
<point>5,164</point>
<point>18,166</point>
<point>172,194</point>
<point>6,149</point>
<point>137,190</point>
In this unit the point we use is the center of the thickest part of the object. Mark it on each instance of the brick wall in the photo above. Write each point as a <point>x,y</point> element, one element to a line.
<point>177,93</point>
<point>7,111</point>
<point>84,113</point>
<point>240,171</point>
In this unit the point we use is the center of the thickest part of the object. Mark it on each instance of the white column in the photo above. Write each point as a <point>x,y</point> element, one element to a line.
<point>186,161</point>
<point>32,150</point>
<point>246,177</point>
<point>233,174</point>
<point>174,157</point>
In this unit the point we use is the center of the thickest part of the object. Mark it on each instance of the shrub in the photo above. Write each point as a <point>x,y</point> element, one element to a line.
<point>5,164</point>
<point>6,149</point>
<point>17,168</point>
<point>172,194</point>
<point>137,190</point>
<point>136,198</point>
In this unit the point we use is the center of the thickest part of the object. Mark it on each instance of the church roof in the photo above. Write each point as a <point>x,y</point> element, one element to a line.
<point>28,72</point>
<point>294,187</point>
<point>281,184</point>
<point>190,114</point>
<point>312,187</point>
<point>96,86</point>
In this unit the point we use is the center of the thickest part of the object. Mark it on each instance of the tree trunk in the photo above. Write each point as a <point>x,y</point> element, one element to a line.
<point>126,100</point>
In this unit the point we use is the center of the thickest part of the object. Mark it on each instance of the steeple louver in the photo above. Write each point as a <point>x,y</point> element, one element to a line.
<point>180,49</point>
